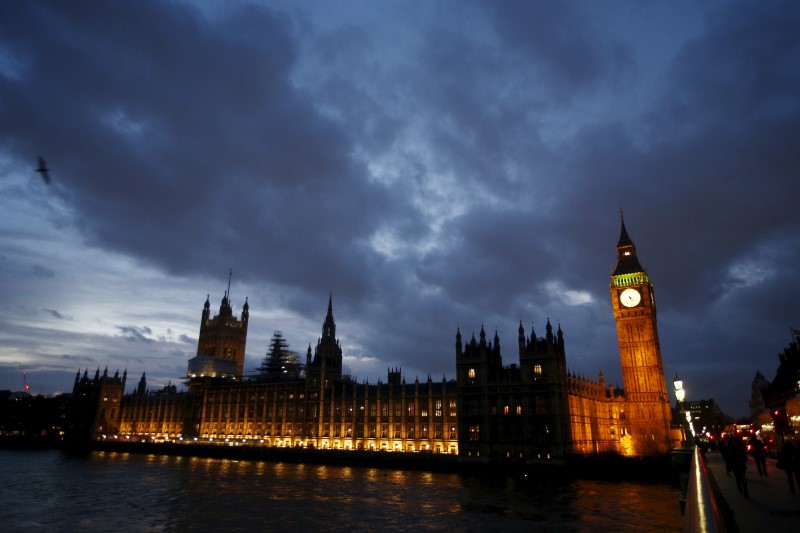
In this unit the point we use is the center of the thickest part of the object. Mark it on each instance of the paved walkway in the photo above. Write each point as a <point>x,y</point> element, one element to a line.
<point>771,507</point>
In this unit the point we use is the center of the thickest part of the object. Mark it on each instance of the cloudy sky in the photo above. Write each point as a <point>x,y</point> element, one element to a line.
<point>432,165</point>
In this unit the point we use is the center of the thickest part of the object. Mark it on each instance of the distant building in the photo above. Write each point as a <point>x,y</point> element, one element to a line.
<point>535,410</point>
<point>775,405</point>
<point>33,417</point>
<point>707,417</point>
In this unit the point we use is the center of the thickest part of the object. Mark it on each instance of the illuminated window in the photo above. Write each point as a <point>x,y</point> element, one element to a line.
<point>438,410</point>
<point>519,409</point>
<point>505,409</point>
<point>537,369</point>
<point>423,412</point>
<point>474,433</point>
<point>471,373</point>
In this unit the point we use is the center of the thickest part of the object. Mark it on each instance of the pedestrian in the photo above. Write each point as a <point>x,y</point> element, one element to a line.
<point>789,461</point>
<point>738,459</point>
<point>755,448</point>
<point>724,449</point>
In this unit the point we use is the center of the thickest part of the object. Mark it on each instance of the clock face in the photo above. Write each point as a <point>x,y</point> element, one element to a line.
<point>630,297</point>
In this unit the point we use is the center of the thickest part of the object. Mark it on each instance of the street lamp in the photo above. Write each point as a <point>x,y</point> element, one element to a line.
<point>680,394</point>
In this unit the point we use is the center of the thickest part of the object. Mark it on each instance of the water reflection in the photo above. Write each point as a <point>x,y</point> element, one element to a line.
<point>107,491</point>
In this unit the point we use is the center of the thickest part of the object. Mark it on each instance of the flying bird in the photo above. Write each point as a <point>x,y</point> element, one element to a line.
<point>44,170</point>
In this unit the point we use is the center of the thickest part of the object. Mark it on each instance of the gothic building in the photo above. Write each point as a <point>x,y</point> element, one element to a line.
<point>533,410</point>
<point>323,409</point>
<point>96,405</point>
<point>515,411</point>
<point>540,411</point>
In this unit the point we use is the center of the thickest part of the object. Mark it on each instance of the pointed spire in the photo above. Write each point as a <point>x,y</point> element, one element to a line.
<point>627,261</point>
<point>329,326</point>
<point>624,238</point>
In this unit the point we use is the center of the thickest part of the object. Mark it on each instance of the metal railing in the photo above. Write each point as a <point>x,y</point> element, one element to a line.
<point>703,512</point>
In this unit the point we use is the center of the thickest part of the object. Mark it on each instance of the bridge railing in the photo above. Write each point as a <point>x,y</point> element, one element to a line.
<point>703,510</point>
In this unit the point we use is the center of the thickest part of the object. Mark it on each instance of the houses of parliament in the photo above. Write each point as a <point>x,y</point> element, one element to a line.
<point>533,410</point>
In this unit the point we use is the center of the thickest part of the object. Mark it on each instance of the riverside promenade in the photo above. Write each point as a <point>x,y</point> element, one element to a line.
<point>770,507</point>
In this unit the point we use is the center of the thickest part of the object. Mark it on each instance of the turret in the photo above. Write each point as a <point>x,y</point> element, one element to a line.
<point>206,309</point>
<point>142,387</point>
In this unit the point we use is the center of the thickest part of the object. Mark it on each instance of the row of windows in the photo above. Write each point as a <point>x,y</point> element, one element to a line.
<point>537,373</point>
<point>360,432</point>
<point>217,407</point>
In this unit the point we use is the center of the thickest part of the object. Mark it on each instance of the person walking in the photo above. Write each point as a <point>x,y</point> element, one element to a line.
<point>724,449</point>
<point>789,461</point>
<point>756,449</point>
<point>738,457</point>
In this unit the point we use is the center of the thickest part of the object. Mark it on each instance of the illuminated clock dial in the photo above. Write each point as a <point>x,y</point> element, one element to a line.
<point>630,297</point>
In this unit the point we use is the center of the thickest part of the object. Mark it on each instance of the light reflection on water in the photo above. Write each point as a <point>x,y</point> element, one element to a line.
<point>127,492</point>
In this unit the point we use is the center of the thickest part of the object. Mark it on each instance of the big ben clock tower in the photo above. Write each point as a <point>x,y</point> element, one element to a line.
<point>647,411</point>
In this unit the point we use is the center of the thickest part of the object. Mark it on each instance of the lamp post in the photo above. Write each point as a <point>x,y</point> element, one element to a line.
<point>680,394</point>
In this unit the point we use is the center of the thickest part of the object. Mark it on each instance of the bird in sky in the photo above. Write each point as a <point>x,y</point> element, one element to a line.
<point>44,170</point>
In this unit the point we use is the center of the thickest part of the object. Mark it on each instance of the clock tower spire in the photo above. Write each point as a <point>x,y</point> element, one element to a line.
<point>647,406</point>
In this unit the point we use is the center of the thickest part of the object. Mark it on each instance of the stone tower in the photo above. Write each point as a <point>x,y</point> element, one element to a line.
<point>95,406</point>
<point>326,366</point>
<point>647,413</point>
<point>224,337</point>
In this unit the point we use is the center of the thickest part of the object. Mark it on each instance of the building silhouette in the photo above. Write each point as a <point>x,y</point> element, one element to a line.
<point>532,410</point>
<point>775,405</point>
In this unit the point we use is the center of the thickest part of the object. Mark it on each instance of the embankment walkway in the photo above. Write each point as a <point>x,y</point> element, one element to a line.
<point>771,507</point>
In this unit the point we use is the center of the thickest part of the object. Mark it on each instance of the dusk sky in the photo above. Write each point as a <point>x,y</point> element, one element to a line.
<point>433,165</point>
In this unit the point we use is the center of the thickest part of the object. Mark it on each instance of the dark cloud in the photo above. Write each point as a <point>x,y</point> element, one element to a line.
<point>43,272</point>
<point>431,172</point>
<point>137,333</point>
<point>56,314</point>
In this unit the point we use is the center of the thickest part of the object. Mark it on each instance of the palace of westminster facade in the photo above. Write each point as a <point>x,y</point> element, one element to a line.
<point>532,411</point>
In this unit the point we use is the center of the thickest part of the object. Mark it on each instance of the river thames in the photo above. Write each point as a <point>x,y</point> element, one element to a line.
<point>106,491</point>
